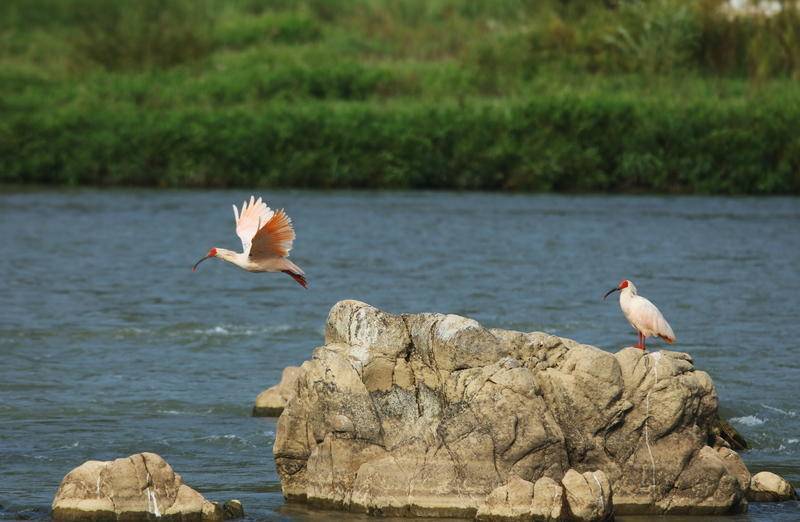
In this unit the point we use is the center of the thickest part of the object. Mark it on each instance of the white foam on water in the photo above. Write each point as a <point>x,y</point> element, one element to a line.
<point>748,420</point>
<point>229,436</point>
<point>788,413</point>
<point>173,412</point>
<point>130,331</point>
<point>234,330</point>
<point>217,330</point>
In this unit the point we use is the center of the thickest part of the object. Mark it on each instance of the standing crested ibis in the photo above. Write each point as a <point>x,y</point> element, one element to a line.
<point>643,315</point>
<point>267,237</point>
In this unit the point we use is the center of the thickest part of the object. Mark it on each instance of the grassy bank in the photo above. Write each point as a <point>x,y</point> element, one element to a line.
<point>665,96</point>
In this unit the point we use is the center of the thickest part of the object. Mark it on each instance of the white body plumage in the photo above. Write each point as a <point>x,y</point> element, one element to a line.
<point>643,315</point>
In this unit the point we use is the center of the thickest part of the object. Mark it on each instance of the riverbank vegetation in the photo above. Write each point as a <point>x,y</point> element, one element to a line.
<point>670,96</point>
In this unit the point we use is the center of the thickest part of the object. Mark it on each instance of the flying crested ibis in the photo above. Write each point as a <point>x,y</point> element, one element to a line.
<point>267,237</point>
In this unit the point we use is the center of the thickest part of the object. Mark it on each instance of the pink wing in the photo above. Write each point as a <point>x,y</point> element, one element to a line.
<point>275,238</point>
<point>652,320</point>
<point>252,217</point>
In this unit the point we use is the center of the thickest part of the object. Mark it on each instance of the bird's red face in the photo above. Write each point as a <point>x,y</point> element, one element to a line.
<point>211,253</point>
<point>622,284</point>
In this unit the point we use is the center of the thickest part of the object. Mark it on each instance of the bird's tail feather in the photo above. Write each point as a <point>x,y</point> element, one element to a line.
<point>287,264</point>
<point>288,267</point>
<point>297,277</point>
<point>669,340</point>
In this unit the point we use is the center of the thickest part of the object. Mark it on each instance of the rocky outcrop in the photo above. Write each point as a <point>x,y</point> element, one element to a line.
<point>433,415</point>
<point>270,402</point>
<point>139,487</point>
<point>769,487</point>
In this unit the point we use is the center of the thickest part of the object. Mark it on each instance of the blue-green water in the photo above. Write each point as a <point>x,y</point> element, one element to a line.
<point>110,345</point>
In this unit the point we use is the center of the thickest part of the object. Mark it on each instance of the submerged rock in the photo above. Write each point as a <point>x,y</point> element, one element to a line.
<point>233,509</point>
<point>270,402</point>
<point>139,487</point>
<point>433,415</point>
<point>769,487</point>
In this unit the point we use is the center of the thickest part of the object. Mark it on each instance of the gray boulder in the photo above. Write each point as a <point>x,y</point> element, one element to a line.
<point>429,414</point>
<point>140,487</point>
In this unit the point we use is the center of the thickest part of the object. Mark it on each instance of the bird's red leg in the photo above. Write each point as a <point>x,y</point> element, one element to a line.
<point>644,339</point>
<point>640,344</point>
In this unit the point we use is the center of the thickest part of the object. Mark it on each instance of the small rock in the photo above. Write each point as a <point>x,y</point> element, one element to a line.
<point>769,487</point>
<point>548,500</point>
<point>135,488</point>
<point>588,495</point>
<point>233,509</point>
<point>272,401</point>
<point>509,502</point>
<point>212,512</point>
<point>588,499</point>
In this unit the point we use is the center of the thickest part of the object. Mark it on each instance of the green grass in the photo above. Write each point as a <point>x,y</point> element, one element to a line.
<point>662,95</point>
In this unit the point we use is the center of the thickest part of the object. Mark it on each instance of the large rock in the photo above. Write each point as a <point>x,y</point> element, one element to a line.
<point>139,487</point>
<point>428,414</point>
<point>769,487</point>
<point>270,402</point>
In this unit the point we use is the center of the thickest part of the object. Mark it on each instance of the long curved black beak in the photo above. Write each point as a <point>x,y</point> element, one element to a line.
<point>611,292</point>
<point>194,268</point>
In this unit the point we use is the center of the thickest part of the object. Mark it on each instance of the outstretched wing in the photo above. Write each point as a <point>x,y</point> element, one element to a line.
<point>275,238</point>
<point>252,217</point>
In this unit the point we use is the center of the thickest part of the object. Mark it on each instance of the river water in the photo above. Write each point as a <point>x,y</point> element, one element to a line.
<point>110,345</point>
